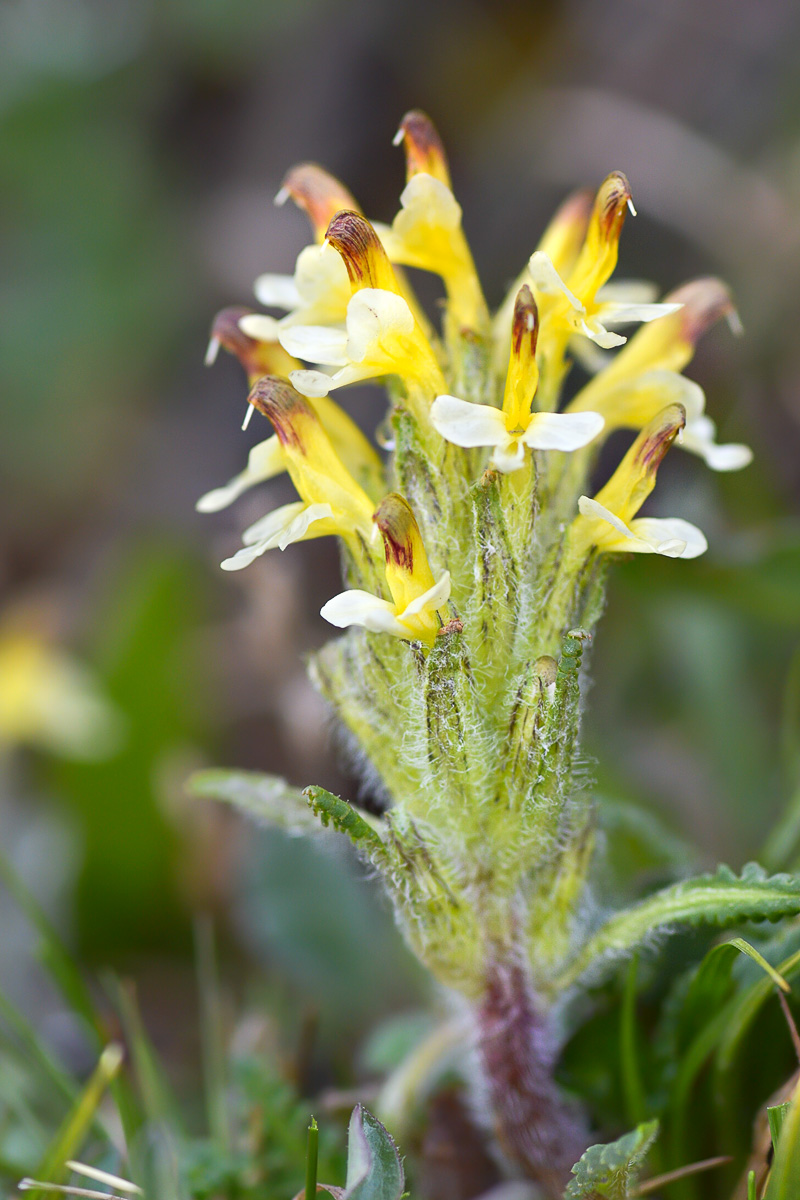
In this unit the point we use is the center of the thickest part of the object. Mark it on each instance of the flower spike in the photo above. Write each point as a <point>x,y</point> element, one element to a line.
<point>607,521</point>
<point>332,501</point>
<point>514,427</point>
<point>413,612</point>
<point>319,194</point>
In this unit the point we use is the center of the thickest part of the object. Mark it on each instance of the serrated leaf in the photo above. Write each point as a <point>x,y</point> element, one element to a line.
<point>720,899</point>
<point>266,797</point>
<point>374,1169</point>
<point>610,1171</point>
<point>344,818</point>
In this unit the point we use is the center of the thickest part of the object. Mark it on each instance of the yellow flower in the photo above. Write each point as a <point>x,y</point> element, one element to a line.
<point>427,232</point>
<point>50,700</point>
<point>266,459</point>
<point>332,502</point>
<point>644,377</point>
<point>609,523</point>
<point>561,243</point>
<point>578,302</point>
<point>381,335</point>
<point>413,612</point>
<point>514,427</point>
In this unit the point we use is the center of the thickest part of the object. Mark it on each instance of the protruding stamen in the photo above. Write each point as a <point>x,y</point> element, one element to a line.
<point>212,351</point>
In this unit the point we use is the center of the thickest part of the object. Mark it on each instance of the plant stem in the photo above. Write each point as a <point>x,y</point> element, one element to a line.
<point>535,1127</point>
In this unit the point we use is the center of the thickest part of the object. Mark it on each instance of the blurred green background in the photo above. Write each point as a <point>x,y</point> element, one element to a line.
<point>141,145</point>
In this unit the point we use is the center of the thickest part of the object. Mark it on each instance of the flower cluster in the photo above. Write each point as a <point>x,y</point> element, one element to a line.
<point>474,556</point>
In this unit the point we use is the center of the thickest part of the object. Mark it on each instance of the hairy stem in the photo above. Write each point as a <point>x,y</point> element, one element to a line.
<point>535,1127</point>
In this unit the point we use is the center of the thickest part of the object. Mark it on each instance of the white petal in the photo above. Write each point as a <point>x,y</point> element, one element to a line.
<point>562,431</point>
<point>277,291</point>
<point>547,280</point>
<point>670,536</point>
<point>286,524</point>
<point>302,522</point>
<point>263,329</point>
<point>698,438</point>
<point>373,314</point>
<point>311,383</point>
<point>434,598</point>
<point>315,343</point>
<point>429,201</point>
<point>264,461</point>
<point>731,456</point>
<point>627,291</point>
<point>467,424</point>
<point>626,314</point>
<point>509,455</point>
<point>594,329</point>
<point>355,607</point>
<point>319,273</point>
<point>272,524</point>
<point>590,508</point>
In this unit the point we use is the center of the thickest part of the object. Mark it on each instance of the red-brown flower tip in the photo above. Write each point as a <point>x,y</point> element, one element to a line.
<point>284,407</point>
<point>257,358</point>
<point>319,194</point>
<point>704,302</point>
<point>611,206</point>
<point>656,439</point>
<point>362,253</point>
<point>399,531</point>
<point>525,323</point>
<point>423,147</point>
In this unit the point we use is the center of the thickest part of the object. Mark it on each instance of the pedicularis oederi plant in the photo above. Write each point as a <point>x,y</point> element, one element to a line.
<point>474,558</point>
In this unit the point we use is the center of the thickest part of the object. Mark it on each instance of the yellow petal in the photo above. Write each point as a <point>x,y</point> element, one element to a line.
<point>598,257</point>
<point>635,477</point>
<point>256,356</point>
<point>352,236</point>
<point>523,374</point>
<point>423,147</point>
<point>314,466</point>
<point>319,194</point>
<point>408,573</point>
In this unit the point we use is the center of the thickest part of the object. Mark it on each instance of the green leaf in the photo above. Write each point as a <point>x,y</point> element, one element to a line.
<point>784,1179</point>
<point>723,1032</point>
<point>720,899</point>
<point>70,1136</point>
<point>266,797</point>
<point>374,1170</point>
<point>611,1171</point>
<point>776,1115</point>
